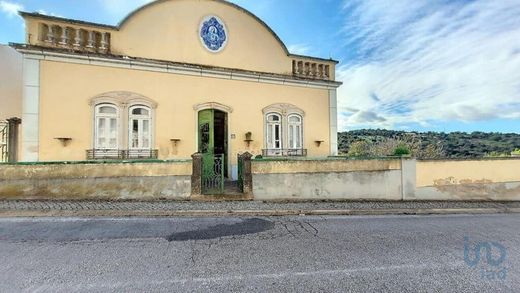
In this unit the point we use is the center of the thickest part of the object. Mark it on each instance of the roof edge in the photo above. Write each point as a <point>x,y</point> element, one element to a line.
<point>68,20</point>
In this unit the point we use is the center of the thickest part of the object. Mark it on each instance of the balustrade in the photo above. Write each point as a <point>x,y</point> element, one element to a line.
<point>311,69</point>
<point>77,39</point>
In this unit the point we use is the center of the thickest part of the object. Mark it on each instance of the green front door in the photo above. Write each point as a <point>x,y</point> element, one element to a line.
<point>207,132</point>
<point>213,164</point>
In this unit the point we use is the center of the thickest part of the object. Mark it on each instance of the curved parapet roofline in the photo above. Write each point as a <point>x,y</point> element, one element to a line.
<point>282,44</point>
<point>135,12</point>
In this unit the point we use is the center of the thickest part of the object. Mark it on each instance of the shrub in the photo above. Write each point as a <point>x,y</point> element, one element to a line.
<point>401,150</point>
<point>496,155</point>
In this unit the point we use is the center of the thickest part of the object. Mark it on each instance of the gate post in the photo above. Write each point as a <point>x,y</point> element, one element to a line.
<point>196,175</point>
<point>12,140</point>
<point>246,173</point>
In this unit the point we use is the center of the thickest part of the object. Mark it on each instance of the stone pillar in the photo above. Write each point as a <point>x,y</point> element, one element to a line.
<point>104,43</point>
<point>90,41</point>
<point>196,176</point>
<point>12,140</point>
<point>408,178</point>
<point>50,35</point>
<point>31,109</point>
<point>247,173</point>
<point>64,41</point>
<point>77,39</point>
<point>333,122</point>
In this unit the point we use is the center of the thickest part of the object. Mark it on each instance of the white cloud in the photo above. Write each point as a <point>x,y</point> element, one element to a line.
<point>426,61</point>
<point>10,9</point>
<point>299,49</point>
<point>41,11</point>
<point>120,8</point>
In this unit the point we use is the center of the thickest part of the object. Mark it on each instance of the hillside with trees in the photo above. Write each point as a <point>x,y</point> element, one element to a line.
<point>428,145</point>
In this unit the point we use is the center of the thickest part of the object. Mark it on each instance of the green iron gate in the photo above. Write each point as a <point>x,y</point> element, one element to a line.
<point>241,173</point>
<point>213,174</point>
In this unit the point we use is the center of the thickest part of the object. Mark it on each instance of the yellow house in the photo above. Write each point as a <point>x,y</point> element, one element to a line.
<point>175,77</point>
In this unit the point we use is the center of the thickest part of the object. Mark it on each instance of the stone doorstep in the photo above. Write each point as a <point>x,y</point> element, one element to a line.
<point>222,197</point>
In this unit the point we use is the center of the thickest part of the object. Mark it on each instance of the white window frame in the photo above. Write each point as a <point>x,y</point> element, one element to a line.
<point>107,117</point>
<point>293,143</point>
<point>140,120</point>
<point>271,128</point>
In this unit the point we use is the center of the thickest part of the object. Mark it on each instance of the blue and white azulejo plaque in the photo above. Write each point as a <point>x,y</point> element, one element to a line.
<point>213,34</point>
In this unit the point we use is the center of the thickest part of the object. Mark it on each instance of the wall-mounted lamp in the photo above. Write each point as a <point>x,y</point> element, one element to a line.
<point>319,142</point>
<point>64,140</point>
<point>249,138</point>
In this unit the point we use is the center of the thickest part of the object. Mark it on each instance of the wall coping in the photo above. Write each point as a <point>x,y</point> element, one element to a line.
<point>332,159</point>
<point>469,159</point>
<point>106,162</point>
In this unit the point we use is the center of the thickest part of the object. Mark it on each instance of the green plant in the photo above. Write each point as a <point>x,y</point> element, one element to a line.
<point>496,155</point>
<point>401,150</point>
<point>516,152</point>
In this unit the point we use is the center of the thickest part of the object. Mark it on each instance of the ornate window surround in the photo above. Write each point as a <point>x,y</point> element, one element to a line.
<point>285,111</point>
<point>123,101</point>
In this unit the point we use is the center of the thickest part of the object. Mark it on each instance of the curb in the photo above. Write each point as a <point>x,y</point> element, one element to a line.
<point>249,213</point>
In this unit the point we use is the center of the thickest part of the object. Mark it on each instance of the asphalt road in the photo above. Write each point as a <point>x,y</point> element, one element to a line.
<point>294,254</point>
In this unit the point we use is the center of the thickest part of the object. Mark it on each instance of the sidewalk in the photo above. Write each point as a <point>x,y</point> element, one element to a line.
<point>35,208</point>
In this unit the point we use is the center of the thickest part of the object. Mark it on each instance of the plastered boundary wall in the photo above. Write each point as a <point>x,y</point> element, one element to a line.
<point>137,180</point>
<point>388,179</point>
<point>486,179</point>
<point>326,179</point>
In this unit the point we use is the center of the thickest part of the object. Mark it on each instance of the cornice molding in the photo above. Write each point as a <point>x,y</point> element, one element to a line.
<point>174,68</point>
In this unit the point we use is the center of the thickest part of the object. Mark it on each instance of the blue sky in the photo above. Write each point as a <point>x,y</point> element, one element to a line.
<point>436,65</point>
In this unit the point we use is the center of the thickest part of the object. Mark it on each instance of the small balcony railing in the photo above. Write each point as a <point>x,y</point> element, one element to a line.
<point>100,154</point>
<point>284,153</point>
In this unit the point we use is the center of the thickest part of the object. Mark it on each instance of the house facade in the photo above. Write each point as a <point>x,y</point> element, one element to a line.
<point>174,78</point>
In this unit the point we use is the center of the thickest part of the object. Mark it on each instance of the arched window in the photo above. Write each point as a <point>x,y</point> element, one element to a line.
<point>273,133</point>
<point>140,132</point>
<point>106,127</point>
<point>295,132</point>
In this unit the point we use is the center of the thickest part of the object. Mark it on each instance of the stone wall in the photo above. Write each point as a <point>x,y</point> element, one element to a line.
<point>333,179</point>
<point>485,179</point>
<point>91,180</point>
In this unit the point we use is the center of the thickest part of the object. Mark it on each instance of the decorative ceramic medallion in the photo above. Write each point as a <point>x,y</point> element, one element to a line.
<point>213,34</point>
